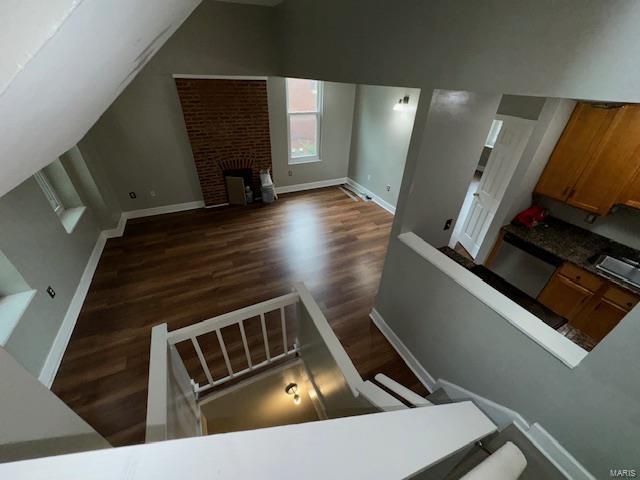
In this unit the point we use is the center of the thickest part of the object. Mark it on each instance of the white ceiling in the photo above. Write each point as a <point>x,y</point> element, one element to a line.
<point>25,27</point>
<point>62,63</point>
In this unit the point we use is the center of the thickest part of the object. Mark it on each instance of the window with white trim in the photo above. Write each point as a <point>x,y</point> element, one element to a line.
<point>60,192</point>
<point>304,119</point>
<point>49,192</point>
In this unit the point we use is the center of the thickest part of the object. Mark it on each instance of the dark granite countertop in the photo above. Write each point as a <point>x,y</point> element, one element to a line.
<point>576,245</point>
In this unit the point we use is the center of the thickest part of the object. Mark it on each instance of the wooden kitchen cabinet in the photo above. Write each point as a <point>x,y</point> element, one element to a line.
<point>564,297</point>
<point>591,304</point>
<point>613,165</point>
<point>631,195</point>
<point>598,318</point>
<point>581,137</point>
<point>595,159</point>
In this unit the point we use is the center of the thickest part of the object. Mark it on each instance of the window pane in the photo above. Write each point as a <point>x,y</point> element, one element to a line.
<point>302,95</point>
<point>303,133</point>
<point>493,133</point>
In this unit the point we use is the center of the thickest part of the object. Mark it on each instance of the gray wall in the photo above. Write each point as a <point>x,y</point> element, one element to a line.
<point>36,243</point>
<point>84,166</point>
<point>521,106</point>
<point>337,120</point>
<point>35,423</point>
<point>325,373</point>
<point>142,138</point>
<point>381,139</point>
<point>494,46</point>
<point>453,136</point>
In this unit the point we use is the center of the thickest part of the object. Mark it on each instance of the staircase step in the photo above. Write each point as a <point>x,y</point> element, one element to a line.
<point>403,392</point>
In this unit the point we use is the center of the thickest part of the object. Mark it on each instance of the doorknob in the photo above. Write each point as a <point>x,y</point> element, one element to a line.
<point>476,194</point>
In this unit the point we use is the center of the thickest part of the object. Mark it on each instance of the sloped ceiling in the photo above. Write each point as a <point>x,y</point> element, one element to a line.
<point>62,63</point>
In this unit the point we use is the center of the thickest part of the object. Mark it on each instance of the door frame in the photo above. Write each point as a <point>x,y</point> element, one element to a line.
<point>462,216</point>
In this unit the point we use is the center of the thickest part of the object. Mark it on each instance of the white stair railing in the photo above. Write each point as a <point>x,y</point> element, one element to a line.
<point>237,317</point>
<point>337,383</point>
<point>172,410</point>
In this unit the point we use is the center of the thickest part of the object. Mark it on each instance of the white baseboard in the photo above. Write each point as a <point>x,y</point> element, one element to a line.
<point>311,185</point>
<point>502,416</point>
<point>118,231</point>
<point>383,203</point>
<point>54,358</point>
<point>177,207</point>
<point>414,365</point>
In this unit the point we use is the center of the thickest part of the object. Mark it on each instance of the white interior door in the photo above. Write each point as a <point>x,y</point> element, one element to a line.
<point>504,158</point>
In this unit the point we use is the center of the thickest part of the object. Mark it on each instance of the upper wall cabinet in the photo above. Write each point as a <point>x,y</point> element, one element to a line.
<point>631,195</point>
<point>581,136</point>
<point>595,159</point>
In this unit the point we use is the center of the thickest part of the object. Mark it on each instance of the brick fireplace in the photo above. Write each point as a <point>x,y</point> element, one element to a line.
<point>228,126</point>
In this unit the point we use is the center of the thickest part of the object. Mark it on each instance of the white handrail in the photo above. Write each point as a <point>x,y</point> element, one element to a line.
<point>157,395</point>
<point>231,318</point>
<point>237,317</point>
<point>351,375</point>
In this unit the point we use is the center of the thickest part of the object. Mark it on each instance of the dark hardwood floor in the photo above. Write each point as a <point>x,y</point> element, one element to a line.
<point>185,267</point>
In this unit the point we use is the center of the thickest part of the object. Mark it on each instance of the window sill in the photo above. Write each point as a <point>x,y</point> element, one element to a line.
<point>12,307</point>
<point>71,217</point>
<point>298,161</point>
<point>557,345</point>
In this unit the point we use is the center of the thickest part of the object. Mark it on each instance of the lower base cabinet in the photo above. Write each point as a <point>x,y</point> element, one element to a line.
<point>590,304</point>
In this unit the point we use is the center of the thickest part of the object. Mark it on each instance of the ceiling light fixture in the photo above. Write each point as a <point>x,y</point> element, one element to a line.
<point>402,105</point>
<point>292,389</point>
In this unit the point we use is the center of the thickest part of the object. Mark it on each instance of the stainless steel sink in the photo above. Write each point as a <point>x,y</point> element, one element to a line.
<point>626,270</point>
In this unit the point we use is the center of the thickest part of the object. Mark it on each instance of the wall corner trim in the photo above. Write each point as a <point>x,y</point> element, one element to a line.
<point>59,346</point>
<point>382,203</point>
<point>412,362</point>
<point>311,185</point>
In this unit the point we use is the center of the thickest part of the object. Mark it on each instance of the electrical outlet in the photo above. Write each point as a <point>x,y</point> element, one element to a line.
<point>368,177</point>
<point>132,195</point>
<point>51,292</point>
<point>447,224</point>
<point>152,193</point>
<point>290,173</point>
<point>388,188</point>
